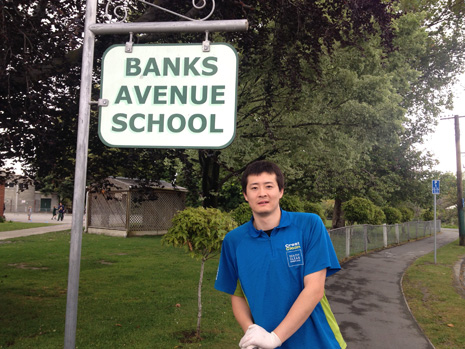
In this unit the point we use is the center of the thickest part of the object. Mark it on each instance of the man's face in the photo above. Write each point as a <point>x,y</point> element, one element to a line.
<point>263,193</point>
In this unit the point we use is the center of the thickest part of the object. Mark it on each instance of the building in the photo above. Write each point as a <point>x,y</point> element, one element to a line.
<point>128,208</point>
<point>20,194</point>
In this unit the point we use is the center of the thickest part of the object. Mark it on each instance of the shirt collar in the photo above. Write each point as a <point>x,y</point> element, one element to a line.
<point>283,222</point>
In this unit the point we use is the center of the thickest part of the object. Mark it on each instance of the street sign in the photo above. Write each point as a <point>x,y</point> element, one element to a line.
<point>435,185</point>
<point>168,96</point>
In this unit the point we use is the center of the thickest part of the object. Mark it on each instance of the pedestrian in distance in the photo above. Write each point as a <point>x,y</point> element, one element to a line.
<point>274,268</point>
<point>54,213</point>
<point>29,213</point>
<point>61,212</point>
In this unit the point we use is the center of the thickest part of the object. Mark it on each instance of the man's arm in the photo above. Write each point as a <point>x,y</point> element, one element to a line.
<point>241,312</point>
<point>313,292</point>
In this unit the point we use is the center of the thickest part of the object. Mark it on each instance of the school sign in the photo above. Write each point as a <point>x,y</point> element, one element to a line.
<point>168,96</point>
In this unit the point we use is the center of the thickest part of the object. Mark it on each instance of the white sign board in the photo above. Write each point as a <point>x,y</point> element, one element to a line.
<point>169,96</point>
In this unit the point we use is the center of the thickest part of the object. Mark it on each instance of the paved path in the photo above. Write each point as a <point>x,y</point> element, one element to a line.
<point>35,218</point>
<point>367,300</point>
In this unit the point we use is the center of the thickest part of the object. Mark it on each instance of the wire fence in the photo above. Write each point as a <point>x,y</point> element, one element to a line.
<point>356,239</point>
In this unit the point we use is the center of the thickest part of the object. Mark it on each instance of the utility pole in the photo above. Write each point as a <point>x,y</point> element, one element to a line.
<point>459,179</point>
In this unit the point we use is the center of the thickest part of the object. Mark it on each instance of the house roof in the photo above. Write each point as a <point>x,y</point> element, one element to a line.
<point>123,183</point>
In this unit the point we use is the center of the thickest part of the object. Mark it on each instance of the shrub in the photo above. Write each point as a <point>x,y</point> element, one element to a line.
<point>378,216</point>
<point>358,210</point>
<point>407,214</point>
<point>393,215</point>
<point>242,213</point>
<point>328,207</point>
<point>200,231</point>
<point>292,203</point>
<point>428,215</point>
<point>315,208</point>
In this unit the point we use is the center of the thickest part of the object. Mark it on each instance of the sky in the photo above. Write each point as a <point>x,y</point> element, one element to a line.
<point>442,142</point>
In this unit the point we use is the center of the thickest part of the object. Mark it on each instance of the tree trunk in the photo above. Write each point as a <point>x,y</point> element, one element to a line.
<point>338,219</point>
<point>210,177</point>
<point>199,298</point>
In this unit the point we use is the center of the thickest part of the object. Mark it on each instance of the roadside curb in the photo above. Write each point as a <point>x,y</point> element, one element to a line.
<point>459,276</point>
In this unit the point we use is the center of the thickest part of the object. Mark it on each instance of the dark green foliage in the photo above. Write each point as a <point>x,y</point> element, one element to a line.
<point>312,207</point>
<point>428,215</point>
<point>242,213</point>
<point>407,214</point>
<point>230,196</point>
<point>393,215</point>
<point>358,210</point>
<point>378,216</point>
<point>292,203</point>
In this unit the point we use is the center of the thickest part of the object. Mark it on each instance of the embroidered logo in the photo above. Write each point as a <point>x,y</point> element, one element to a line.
<point>294,254</point>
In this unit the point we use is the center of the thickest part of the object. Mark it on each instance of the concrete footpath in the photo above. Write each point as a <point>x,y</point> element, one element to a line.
<point>367,299</point>
<point>35,218</point>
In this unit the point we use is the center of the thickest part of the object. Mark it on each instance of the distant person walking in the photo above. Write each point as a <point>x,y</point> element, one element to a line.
<point>29,213</point>
<point>54,213</point>
<point>61,211</point>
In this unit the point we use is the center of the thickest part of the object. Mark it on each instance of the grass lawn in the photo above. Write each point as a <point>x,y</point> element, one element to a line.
<point>7,226</point>
<point>433,298</point>
<point>134,293</point>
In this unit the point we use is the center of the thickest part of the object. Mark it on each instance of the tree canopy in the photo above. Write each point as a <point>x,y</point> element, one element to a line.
<point>338,93</point>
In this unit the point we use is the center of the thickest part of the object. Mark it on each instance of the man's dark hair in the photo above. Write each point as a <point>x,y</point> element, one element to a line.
<point>258,167</point>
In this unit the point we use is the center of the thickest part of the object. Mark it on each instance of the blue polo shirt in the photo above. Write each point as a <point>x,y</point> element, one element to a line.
<point>271,272</point>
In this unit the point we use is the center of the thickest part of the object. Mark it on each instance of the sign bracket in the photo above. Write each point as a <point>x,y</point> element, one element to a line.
<point>129,44</point>
<point>206,43</point>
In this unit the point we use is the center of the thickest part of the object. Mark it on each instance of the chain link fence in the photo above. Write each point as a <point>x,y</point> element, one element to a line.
<point>356,239</point>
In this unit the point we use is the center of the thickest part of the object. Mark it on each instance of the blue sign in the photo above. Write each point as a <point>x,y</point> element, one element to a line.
<point>435,186</point>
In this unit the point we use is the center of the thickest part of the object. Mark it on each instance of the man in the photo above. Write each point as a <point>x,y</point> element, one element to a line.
<point>275,266</point>
<point>61,212</point>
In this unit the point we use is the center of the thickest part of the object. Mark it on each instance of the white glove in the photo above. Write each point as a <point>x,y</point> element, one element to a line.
<point>258,336</point>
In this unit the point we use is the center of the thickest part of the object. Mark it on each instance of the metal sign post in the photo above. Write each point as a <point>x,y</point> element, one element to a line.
<point>91,28</point>
<point>436,190</point>
<point>80,177</point>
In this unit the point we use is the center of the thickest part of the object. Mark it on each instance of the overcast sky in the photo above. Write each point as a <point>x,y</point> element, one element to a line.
<point>442,142</point>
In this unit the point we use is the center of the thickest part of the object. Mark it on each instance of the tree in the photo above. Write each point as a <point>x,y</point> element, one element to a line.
<point>393,215</point>
<point>325,88</point>
<point>359,210</point>
<point>407,213</point>
<point>200,232</point>
<point>273,23</point>
<point>378,216</point>
<point>242,213</point>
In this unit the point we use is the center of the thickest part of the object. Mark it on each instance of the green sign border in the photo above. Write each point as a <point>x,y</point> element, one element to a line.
<point>168,147</point>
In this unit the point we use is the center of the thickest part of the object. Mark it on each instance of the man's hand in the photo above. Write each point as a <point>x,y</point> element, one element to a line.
<point>259,337</point>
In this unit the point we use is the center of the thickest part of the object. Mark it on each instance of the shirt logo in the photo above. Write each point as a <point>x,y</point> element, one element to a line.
<point>294,254</point>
